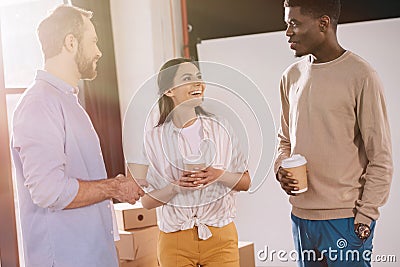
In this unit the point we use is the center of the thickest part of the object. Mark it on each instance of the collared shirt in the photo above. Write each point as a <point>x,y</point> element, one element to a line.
<point>213,205</point>
<point>53,145</point>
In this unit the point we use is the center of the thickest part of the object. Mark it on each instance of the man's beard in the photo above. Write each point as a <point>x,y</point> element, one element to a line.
<point>85,66</point>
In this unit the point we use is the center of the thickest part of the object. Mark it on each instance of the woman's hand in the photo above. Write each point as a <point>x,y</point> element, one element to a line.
<point>186,181</point>
<point>184,184</point>
<point>203,177</point>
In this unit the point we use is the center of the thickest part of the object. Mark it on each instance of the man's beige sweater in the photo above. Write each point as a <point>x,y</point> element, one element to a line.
<point>334,114</point>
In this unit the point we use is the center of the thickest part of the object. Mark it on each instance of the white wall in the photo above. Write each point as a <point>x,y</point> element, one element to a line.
<point>146,34</point>
<point>263,216</point>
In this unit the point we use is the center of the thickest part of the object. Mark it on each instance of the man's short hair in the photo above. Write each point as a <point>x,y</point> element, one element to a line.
<point>317,8</point>
<point>63,20</point>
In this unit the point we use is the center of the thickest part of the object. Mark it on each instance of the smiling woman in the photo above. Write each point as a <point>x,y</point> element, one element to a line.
<point>188,87</point>
<point>19,57</point>
<point>176,76</point>
<point>195,167</point>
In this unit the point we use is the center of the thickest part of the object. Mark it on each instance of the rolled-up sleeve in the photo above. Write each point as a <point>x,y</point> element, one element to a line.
<point>39,138</point>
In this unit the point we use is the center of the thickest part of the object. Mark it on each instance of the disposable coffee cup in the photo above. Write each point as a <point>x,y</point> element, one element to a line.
<point>297,166</point>
<point>194,163</point>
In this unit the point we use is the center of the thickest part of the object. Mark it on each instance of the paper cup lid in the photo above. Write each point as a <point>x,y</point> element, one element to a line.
<point>294,161</point>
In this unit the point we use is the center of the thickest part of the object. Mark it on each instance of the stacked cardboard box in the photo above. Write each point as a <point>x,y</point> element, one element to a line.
<point>134,216</point>
<point>138,232</point>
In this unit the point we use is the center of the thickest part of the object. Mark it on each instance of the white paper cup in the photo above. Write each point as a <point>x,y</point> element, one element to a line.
<point>194,163</point>
<point>297,166</point>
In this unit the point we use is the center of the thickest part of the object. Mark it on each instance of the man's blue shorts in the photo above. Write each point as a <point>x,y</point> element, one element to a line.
<point>330,243</point>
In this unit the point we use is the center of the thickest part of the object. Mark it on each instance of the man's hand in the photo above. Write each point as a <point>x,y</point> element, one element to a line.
<point>122,188</point>
<point>288,184</point>
<point>126,189</point>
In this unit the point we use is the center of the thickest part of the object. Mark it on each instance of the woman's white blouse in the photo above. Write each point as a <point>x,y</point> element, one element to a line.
<point>165,148</point>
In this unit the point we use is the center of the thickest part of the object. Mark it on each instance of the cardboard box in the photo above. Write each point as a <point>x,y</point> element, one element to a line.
<point>246,254</point>
<point>139,243</point>
<point>149,261</point>
<point>134,216</point>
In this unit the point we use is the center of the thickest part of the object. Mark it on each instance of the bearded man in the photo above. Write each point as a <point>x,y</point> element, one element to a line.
<point>64,196</point>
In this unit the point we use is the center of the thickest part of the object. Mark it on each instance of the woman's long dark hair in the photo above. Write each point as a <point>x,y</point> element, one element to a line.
<point>165,82</point>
